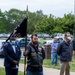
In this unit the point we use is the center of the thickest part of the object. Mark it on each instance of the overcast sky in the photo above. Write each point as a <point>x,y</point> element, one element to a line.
<point>56,7</point>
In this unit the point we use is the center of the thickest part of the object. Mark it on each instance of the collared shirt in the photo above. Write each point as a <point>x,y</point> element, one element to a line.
<point>14,48</point>
<point>54,44</point>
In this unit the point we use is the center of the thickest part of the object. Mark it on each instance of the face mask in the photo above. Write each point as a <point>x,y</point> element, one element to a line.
<point>13,42</point>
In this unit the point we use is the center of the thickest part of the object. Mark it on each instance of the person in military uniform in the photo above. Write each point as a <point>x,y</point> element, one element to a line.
<point>35,56</point>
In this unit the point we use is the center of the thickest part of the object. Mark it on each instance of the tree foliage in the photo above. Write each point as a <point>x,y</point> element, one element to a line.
<point>37,22</point>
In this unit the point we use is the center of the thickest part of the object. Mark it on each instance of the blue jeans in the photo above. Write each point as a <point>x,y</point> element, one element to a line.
<point>34,73</point>
<point>54,58</point>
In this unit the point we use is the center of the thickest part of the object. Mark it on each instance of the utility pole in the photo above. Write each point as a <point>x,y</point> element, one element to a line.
<point>74,28</point>
<point>74,22</point>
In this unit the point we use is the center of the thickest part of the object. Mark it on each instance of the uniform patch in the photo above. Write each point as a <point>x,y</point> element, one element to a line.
<point>33,54</point>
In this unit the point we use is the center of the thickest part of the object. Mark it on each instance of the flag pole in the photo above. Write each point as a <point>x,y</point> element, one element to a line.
<point>25,42</point>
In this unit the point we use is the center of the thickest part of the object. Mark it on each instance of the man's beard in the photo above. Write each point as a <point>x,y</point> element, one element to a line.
<point>35,42</point>
<point>69,41</point>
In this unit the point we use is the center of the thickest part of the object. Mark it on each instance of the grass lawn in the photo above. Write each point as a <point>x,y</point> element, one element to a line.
<point>43,40</point>
<point>47,63</point>
<point>2,72</point>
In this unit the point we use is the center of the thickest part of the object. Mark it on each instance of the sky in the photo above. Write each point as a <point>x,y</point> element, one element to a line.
<point>55,7</point>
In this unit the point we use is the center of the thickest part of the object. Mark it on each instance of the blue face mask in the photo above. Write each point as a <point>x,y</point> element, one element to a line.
<point>13,42</point>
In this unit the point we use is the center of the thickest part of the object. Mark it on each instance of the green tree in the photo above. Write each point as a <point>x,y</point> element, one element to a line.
<point>46,25</point>
<point>68,23</point>
<point>13,17</point>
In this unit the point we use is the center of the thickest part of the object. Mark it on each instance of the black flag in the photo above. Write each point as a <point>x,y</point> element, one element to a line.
<point>22,28</point>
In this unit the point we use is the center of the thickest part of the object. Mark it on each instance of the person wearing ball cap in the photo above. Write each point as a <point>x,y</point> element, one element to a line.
<point>65,50</point>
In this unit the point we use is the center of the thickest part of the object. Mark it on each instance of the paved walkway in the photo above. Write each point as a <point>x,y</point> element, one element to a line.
<point>47,71</point>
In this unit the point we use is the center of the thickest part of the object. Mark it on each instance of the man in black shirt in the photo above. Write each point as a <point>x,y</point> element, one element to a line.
<point>35,56</point>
